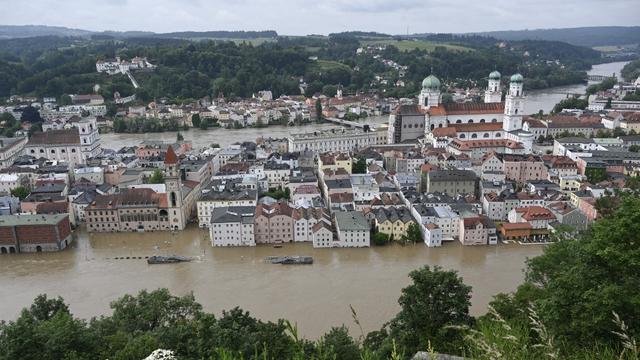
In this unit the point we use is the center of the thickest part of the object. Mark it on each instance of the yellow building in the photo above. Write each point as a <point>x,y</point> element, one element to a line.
<point>334,162</point>
<point>392,221</point>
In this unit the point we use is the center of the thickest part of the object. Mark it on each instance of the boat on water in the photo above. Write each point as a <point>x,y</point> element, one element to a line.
<point>290,260</point>
<point>171,259</point>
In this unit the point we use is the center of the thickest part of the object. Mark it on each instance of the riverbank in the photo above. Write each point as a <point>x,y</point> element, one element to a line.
<point>315,296</point>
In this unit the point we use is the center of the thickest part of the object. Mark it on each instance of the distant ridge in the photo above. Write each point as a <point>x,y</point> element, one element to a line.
<point>581,36</point>
<point>25,31</point>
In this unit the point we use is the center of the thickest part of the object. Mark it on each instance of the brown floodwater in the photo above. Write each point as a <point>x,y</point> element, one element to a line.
<point>316,296</point>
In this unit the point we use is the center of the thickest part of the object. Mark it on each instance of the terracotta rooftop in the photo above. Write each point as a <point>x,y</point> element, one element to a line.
<point>171,157</point>
<point>531,213</point>
<point>55,137</point>
<point>467,109</point>
<point>477,127</point>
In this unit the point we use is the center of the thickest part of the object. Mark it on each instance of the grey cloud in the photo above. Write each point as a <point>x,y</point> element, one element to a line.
<point>298,17</point>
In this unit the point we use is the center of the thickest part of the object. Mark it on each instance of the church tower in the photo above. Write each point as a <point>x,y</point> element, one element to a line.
<point>514,105</point>
<point>493,94</point>
<point>430,94</point>
<point>173,185</point>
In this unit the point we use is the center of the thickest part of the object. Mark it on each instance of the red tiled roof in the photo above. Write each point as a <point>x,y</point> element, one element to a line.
<point>171,157</point>
<point>467,109</point>
<point>444,132</point>
<point>535,213</point>
<point>477,127</point>
<point>55,137</point>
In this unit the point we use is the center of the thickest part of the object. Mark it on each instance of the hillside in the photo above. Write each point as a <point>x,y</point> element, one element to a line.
<point>24,31</point>
<point>581,36</point>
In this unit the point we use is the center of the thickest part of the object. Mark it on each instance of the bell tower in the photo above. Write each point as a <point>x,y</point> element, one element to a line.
<point>514,105</point>
<point>173,185</point>
<point>493,94</point>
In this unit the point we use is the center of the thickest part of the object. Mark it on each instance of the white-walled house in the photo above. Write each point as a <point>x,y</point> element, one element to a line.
<point>352,229</point>
<point>432,235</point>
<point>233,226</point>
<point>322,235</point>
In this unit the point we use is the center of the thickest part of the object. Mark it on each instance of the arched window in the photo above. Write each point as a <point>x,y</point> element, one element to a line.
<point>53,151</point>
<point>494,120</point>
<point>516,111</point>
<point>498,135</point>
<point>462,136</point>
<point>482,120</point>
<point>470,121</point>
<point>33,151</point>
<point>41,151</point>
<point>458,121</point>
<point>486,135</point>
<point>433,126</point>
<point>474,136</point>
<point>173,199</point>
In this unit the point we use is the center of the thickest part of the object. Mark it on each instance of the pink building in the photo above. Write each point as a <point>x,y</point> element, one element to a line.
<point>523,168</point>
<point>153,149</point>
<point>478,230</point>
<point>274,223</point>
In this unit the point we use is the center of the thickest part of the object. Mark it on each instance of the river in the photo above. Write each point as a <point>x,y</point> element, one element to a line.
<point>536,100</point>
<point>315,296</point>
<point>546,99</point>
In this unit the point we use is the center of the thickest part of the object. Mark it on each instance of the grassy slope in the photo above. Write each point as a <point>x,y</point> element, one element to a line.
<point>407,45</point>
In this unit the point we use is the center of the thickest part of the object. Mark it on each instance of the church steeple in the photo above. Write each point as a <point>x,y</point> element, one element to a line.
<point>173,186</point>
<point>430,93</point>
<point>493,94</point>
<point>514,104</point>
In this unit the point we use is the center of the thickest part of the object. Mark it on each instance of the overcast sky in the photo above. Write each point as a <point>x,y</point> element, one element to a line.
<point>300,17</point>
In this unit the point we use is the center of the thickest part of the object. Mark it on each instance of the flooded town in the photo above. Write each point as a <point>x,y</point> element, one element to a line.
<point>311,199</point>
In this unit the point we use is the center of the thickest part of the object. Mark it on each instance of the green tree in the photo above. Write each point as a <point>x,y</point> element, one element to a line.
<point>204,124</point>
<point>318,110</point>
<point>634,148</point>
<point>195,120</point>
<point>380,239</point>
<point>359,166</point>
<point>340,344</point>
<point>577,292</point>
<point>413,233</point>
<point>21,192</point>
<point>435,302</point>
<point>157,177</point>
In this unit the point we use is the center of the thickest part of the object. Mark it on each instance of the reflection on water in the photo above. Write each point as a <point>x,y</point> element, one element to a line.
<point>546,99</point>
<point>316,296</point>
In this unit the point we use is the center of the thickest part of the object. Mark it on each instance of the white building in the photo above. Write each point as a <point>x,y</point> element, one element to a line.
<point>10,149</point>
<point>9,182</point>
<point>305,219</point>
<point>92,173</point>
<point>352,229</point>
<point>432,235</point>
<point>336,140</point>
<point>445,218</point>
<point>323,236</point>
<point>212,200</point>
<point>233,226</point>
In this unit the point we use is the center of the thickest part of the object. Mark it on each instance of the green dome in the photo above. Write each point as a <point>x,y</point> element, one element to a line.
<point>431,82</point>
<point>495,75</point>
<point>517,78</point>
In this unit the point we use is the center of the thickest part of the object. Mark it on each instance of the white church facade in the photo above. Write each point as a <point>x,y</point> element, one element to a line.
<point>490,120</point>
